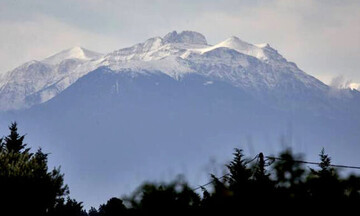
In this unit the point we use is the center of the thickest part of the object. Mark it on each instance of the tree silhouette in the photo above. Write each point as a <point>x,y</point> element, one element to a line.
<point>26,184</point>
<point>69,208</point>
<point>325,185</point>
<point>239,173</point>
<point>288,172</point>
<point>289,178</point>
<point>28,187</point>
<point>93,212</point>
<point>173,198</point>
<point>14,142</point>
<point>113,207</point>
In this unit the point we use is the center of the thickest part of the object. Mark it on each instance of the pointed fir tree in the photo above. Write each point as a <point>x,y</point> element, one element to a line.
<point>27,186</point>
<point>14,142</point>
<point>325,186</point>
<point>239,172</point>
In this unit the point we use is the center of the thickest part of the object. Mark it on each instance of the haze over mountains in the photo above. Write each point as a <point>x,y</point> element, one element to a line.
<point>169,104</point>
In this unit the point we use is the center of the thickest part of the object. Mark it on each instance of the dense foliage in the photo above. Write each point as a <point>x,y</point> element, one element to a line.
<point>27,186</point>
<point>280,184</point>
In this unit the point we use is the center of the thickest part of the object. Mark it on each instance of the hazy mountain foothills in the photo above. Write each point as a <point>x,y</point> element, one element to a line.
<point>180,100</point>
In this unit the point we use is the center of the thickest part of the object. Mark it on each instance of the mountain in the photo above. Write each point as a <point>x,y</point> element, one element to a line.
<point>170,104</point>
<point>78,53</point>
<point>36,82</point>
<point>257,68</point>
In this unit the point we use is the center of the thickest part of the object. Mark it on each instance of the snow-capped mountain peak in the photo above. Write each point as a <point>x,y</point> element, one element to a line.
<point>76,52</point>
<point>173,45</point>
<point>254,67</point>
<point>235,43</point>
<point>241,46</point>
<point>42,80</point>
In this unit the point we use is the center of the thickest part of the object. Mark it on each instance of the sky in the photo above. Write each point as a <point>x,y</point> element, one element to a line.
<point>321,36</point>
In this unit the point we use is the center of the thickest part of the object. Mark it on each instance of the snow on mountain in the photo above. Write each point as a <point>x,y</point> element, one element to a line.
<point>241,46</point>
<point>38,81</point>
<point>253,67</point>
<point>233,60</point>
<point>73,53</point>
<point>157,48</point>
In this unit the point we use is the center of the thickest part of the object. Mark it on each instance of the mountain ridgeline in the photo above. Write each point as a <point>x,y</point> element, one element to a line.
<point>173,102</point>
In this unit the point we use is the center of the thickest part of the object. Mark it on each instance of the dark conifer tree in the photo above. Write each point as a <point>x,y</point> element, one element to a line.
<point>14,142</point>
<point>27,186</point>
<point>239,173</point>
<point>325,184</point>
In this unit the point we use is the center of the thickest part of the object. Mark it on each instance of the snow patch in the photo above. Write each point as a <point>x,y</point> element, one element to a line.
<point>208,83</point>
<point>241,46</point>
<point>73,53</point>
<point>262,45</point>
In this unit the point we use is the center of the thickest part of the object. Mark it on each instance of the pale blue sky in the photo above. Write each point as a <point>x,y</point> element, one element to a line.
<point>322,37</point>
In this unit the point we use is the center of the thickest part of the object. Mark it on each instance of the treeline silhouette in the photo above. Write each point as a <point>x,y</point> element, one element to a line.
<point>27,186</point>
<point>259,185</point>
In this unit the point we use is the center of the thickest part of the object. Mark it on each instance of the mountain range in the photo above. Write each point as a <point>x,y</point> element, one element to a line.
<point>169,104</point>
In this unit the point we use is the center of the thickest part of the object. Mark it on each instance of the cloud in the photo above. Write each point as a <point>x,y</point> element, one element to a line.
<point>339,87</point>
<point>339,82</point>
<point>354,86</point>
<point>44,36</point>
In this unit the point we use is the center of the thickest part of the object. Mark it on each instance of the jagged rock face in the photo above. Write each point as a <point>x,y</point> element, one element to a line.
<point>189,37</point>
